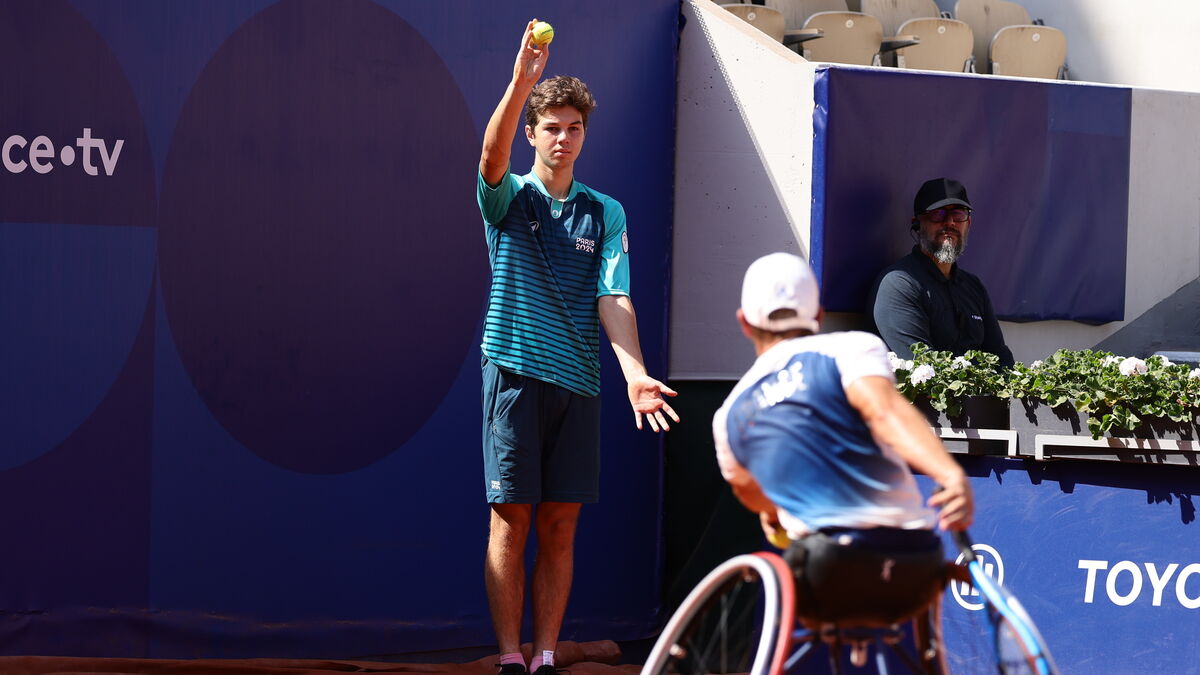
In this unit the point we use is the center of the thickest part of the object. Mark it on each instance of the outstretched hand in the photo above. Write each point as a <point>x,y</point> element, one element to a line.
<point>646,397</point>
<point>531,59</point>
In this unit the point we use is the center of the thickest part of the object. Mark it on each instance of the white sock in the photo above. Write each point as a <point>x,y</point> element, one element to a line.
<point>546,658</point>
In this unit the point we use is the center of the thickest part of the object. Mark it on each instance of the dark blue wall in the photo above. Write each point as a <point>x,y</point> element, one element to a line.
<point>1084,545</point>
<point>239,410</point>
<point>1046,166</point>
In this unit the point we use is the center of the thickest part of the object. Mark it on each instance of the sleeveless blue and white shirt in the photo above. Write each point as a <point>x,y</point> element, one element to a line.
<point>551,259</point>
<point>789,424</point>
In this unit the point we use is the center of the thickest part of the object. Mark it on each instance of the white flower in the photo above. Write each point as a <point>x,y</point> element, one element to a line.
<point>1036,364</point>
<point>959,363</point>
<point>1131,366</point>
<point>908,365</point>
<point>1165,361</point>
<point>896,362</point>
<point>921,374</point>
<point>1194,375</point>
<point>1111,360</point>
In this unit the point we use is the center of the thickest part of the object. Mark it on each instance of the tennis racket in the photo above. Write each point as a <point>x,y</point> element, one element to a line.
<point>1019,647</point>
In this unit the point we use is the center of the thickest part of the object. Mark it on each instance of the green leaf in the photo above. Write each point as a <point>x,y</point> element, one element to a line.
<point>1077,377</point>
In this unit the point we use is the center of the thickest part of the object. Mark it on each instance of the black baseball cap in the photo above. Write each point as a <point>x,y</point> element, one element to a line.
<point>939,192</point>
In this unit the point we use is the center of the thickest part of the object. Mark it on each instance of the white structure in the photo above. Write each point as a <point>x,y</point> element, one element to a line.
<point>743,177</point>
<point>1148,43</point>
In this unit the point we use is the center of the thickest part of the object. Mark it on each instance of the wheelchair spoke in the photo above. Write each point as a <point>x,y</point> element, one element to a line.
<point>729,624</point>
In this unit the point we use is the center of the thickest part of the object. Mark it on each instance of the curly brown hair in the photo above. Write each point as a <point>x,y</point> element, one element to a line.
<point>556,92</point>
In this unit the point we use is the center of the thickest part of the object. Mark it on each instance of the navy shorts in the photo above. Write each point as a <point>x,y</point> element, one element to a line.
<point>541,442</point>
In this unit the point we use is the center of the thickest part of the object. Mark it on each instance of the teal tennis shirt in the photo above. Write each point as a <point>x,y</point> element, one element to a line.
<point>551,259</point>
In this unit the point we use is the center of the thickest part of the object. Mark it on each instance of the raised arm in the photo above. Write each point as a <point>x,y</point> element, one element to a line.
<point>645,392</point>
<point>502,127</point>
<point>894,422</point>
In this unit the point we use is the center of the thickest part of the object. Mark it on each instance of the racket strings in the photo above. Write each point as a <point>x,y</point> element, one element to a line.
<point>1011,651</point>
<point>983,640</point>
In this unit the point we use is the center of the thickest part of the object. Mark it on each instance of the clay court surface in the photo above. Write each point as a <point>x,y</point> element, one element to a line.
<point>580,658</point>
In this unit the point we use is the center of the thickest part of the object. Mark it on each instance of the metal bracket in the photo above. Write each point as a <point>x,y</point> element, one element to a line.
<point>1008,436</point>
<point>1136,450</point>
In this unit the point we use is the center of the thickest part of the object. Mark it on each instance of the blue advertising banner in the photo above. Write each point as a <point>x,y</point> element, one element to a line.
<point>242,276</point>
<point>1046,165</point>
<point>1105,557</point>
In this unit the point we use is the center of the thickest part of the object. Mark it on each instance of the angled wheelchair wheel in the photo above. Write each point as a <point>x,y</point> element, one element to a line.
<point>738,619</point>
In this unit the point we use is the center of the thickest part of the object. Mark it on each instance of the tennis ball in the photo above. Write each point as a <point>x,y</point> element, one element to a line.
<point>543,33</point>
<point>779,539</point>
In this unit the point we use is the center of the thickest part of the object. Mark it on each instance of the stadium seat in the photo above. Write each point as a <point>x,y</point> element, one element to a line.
<point>847,37</point>
<point>945,44</point>
<point>1029,51</point>
<point>987,18</point>
<point>796,12</point>
<point>771,22</point>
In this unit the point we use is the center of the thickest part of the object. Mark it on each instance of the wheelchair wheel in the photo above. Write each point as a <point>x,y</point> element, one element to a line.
<point>738,619</point>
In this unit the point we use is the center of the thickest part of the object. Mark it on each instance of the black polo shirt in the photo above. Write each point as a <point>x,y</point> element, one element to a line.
<point>913,302</point>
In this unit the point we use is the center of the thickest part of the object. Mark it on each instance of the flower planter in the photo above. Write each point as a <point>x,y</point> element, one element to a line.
<point>1032,429</point>
<point>1031,416</point>
<point>1159,427</point>
<point>979,412</point>
<point>981,429</point>
<point>1062,432</point>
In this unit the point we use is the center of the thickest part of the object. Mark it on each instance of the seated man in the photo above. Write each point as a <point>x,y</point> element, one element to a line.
<point>817,441</point>
<point>926,297</point>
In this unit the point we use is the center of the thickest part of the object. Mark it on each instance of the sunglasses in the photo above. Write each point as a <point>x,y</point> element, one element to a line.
<point>954,215</point>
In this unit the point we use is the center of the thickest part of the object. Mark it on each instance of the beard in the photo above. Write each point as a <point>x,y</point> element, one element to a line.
<point>947,252</point>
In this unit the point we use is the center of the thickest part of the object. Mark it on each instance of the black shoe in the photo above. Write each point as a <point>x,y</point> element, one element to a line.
<point>548,670</point>
<point>513,669</point>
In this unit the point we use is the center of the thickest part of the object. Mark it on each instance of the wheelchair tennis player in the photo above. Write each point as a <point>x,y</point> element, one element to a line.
<point>817,441</point>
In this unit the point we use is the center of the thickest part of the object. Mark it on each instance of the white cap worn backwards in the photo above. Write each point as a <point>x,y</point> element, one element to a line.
<point>780,281</point>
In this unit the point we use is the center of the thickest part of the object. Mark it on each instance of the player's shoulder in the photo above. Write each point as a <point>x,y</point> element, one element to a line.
<point>784,360</point>
<point>846,343</point>
<point>520,181</point>
<point>856,354</point>
<point>608,202</point>
<point>779,357</point>
<point>763,366</point>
